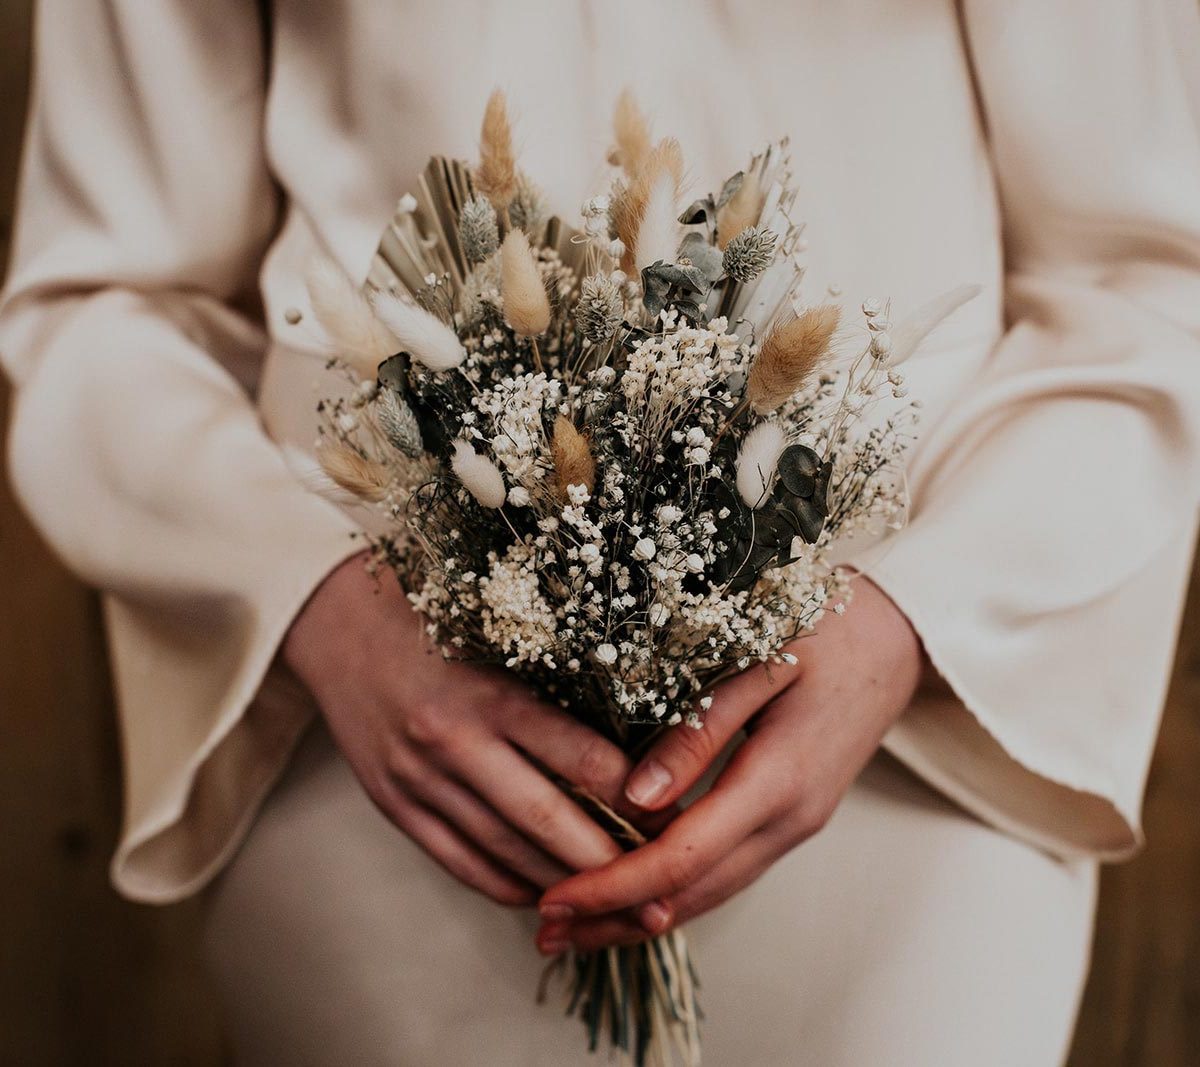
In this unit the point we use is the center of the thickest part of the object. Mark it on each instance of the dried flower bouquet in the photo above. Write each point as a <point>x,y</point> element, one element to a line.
<point>616,460</point>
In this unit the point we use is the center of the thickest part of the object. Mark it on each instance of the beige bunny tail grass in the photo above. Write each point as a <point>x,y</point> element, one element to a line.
<point>573,460</point>
<point>631,200</point>
<point>361,477</point>
<point>526,305</point>
<point>345,315</point>
<point>793,349</point>
<point>631,135</point>
<point>496,175</point>
<point>742,210</point>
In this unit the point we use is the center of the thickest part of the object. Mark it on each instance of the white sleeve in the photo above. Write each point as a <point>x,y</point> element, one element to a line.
<point>129,327</point>
<point>1054,504</point>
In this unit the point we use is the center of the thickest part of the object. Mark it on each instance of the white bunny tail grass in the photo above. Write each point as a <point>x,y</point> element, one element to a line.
<point>757,460</point>
<point>526,305</point>
<point>479,474</point>
<point>659,234</point>
<point>422,335</point>
<point>344,313</point>
<point>908,334</point>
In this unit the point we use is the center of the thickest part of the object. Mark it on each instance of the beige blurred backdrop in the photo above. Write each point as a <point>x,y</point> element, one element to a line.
<point>88,979</point>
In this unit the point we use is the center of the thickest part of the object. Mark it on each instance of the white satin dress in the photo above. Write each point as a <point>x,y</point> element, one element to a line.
<point>183,163</point>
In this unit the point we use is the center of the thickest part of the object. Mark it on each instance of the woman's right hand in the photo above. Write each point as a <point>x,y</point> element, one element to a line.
<point>443,748</point>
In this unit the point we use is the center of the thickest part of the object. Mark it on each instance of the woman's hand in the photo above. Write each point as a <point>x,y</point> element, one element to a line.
<point>812,727</point>
<point>443,749</point>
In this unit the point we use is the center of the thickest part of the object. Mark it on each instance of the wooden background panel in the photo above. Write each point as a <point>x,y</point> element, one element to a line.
<point>88,979</point>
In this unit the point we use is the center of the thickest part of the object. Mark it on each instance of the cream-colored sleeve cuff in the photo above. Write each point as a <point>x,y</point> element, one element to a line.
<point>196,772</point>
<point>1062,766</point>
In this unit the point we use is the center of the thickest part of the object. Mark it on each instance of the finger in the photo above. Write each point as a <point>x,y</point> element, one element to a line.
<point>456,855</point>
<point>738,870</point>
<point>567,747</point>
<point>681,756</point>
<point>530,802</point>
<point>738,805</point>
<point>486,830</point>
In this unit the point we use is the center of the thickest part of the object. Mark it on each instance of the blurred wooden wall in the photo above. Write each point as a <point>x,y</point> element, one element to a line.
<point>87,979</point>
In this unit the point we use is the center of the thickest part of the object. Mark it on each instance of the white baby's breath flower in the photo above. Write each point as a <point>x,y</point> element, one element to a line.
<point>644,549</point>
<point>518,496</point>
<point>606,654</point>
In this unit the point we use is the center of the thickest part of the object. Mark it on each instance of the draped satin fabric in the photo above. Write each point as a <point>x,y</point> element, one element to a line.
<point>184,160</point>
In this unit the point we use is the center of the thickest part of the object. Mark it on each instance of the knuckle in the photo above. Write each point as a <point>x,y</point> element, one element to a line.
<point>694,746</point>
<point>600,766</point>
<point>427,725</point>
<point>539,818</point>
<point>812,815</point>
<point>678,869</point>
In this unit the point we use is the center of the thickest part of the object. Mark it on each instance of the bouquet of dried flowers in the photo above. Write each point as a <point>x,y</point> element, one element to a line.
<point>616,459</point>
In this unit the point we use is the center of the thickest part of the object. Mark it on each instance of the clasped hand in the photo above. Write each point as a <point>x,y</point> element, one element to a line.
<point>461,759</point>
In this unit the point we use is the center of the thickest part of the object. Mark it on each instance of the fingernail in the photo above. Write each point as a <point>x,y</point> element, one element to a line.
<point>556,912</point>
<point>648,783</point>
<point>654,917</point>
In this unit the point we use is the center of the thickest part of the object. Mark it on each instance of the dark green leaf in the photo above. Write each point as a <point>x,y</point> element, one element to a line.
<point>798,467</point>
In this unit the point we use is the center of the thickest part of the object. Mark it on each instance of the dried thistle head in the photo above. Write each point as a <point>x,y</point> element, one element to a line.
<point>630,201</point>
<point>528,208</point>
<point>362,477</point>
<point>793,349</point>
<point>573,460</point>
<point>600,309</point>
<point>740,210</point>
<point>478,230</point>
<point>749,253</point>
<point>526,305</point>
<point>496,175</point>
<point>399,424</point>
<point>631,136</point>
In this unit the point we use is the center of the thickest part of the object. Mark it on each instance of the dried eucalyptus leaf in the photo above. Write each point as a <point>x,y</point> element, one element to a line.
<point>393,373</point>
<point>731,186</point>
<point>706,258</point>
<point>699,211</point>
<point>798,467</point>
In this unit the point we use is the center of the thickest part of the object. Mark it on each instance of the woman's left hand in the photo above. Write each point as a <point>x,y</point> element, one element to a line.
<point>812,728</point>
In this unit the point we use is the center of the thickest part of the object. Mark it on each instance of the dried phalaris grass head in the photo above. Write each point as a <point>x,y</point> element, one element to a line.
<point>573,460</point>
<point>631,135</point>
<point>741,210</point>
<point>363,478</point>
<point>496,175</point>
<point>526,305</point>
<point>658,184</point>
<point>793,349</point>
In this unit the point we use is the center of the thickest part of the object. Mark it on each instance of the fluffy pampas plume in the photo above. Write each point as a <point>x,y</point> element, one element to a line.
<point>792,350</point>
<point>573,460</point>
<point>631,136</point>
<point>526,305</point>
<point>757,460</point>
<point>643,229</point>
<point>362,478</point>
<point>740,210</point>
<point>496,175</point>
<point>422,335</point>
<point>909,333</point>
<point>346,317</point>
<point>479,474</point>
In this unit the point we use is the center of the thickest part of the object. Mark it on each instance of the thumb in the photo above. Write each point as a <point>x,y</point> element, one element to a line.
<point>678,759</point>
